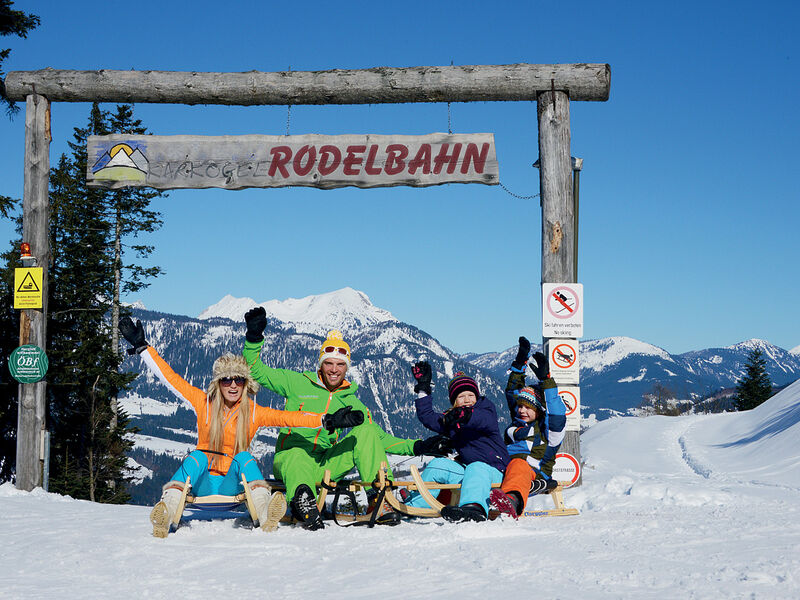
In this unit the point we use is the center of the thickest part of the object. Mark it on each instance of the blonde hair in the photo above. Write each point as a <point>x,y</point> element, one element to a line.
<point>215,408</point>
<point>229,365</point>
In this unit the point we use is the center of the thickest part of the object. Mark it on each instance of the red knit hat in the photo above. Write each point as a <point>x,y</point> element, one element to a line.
<point>461,382</point>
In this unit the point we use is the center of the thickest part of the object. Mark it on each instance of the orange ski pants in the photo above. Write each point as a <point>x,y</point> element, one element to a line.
<point>518,478</point>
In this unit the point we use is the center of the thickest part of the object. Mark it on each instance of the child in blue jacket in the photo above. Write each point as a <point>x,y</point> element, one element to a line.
<point>538,423</point>
<point>471,425</point>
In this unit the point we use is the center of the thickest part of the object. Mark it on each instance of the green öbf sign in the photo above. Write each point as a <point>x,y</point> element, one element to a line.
<point>28,363</point>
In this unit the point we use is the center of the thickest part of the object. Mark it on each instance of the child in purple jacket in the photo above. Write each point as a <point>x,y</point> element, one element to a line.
<point>471,424</point>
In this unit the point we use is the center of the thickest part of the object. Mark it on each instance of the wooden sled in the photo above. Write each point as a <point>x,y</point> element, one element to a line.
<point>214,502</point>
<point>454,489</point>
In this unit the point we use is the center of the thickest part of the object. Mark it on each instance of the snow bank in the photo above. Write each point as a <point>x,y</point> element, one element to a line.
<point>704,506</point>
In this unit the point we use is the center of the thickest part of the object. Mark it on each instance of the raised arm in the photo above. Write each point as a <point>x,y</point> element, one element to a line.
<point>134,335</point>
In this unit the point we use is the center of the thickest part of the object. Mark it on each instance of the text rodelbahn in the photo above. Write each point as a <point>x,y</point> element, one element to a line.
<point>235,162</point>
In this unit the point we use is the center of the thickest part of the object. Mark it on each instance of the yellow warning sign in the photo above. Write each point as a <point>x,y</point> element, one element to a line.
<point>28,287</point>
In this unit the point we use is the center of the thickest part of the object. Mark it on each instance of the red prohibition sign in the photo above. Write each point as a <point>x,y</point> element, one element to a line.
<point>572,463</point>
<point>563,356</point>
<point>562,302</point>
<point>569,400</point>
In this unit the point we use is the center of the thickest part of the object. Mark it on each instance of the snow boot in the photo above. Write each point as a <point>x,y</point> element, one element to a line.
<point>387,515</point>
<point>304,508</point>
<point>468,512</point>
<point>162,514</point>
<point>542,486</point>
<point>501,503</point>
<point>269,508</point>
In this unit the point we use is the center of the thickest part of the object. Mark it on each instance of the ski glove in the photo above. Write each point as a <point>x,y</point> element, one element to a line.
<point>133,334</point>
<point>438,445</point>
<point>256,319</point>
<point>543,486</point>
<point>456,417</point>
<point>522,354</point>
<point>342,418</point>
<point>423,376</point>
<point>540,366</point>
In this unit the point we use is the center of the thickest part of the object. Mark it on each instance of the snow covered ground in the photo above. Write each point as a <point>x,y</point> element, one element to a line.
<point>679,507</point>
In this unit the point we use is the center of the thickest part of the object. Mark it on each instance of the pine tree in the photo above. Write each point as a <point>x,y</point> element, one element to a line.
<point>754,387</point>
<point>9,340</point>
<point>89,274</point>
<point>13,22</point>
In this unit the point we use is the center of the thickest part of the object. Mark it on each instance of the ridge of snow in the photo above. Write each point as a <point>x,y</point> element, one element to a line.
<point>346,309</point>
<point>795,351</point>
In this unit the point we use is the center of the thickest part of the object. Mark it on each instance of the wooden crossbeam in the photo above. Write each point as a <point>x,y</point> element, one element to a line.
<point>380,85</point>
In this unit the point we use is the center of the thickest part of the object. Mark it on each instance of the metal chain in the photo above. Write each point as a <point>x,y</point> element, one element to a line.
<point>509,192</point>
<point>449,122</point>
<point>288,111</point>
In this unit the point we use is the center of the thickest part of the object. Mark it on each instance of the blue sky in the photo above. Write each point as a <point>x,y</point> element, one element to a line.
<point>689,198</point>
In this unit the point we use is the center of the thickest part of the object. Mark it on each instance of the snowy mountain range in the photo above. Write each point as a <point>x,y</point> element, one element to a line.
<point>615,372</point>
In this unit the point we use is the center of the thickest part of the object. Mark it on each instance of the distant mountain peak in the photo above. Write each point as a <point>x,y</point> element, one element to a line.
<point>599,354</point>
<point>346,309</point>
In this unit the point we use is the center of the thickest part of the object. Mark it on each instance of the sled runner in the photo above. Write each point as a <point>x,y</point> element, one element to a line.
<point>448,494</point>
<point>214,502</point>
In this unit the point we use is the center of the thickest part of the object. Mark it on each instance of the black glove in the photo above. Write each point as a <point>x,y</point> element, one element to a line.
<point>256,319</point>
<point>438,445</point>
<point>342,418</point>
<point>540,366</point>
<point>522,354</point>
<point>133,334</point>
<point>456,417</point>
<point>542,486</point>
<point>422,374</point>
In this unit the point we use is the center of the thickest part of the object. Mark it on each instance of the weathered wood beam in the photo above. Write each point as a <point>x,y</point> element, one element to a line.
<point>33,325</point>
<point>364,86</point>
<point>558,218</point>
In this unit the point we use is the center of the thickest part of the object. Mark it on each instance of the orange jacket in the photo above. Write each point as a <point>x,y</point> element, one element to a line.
<point>260,415</point>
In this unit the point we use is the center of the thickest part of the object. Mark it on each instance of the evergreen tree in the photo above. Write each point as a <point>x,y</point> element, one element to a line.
<point>12,22</point>
<point>754,387</point>
<point>90,437</point>
<point>9,340</point>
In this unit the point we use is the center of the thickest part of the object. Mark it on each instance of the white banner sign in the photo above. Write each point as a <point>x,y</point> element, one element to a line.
<point>236,162</point>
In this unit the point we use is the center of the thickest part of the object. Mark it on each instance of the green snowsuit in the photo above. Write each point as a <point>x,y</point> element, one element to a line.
<point>303,455</point>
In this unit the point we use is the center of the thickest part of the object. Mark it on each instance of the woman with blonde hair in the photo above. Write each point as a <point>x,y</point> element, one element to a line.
<point>227,420</point>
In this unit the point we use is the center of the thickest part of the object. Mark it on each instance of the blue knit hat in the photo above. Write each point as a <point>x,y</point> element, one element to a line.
<point>531,397</point>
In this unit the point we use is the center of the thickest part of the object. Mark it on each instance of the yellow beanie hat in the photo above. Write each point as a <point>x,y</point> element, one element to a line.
<point>334,346</point>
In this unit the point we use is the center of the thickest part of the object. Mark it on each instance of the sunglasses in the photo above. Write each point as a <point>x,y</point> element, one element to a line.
<point>226,381</point>
<point>330,349</point>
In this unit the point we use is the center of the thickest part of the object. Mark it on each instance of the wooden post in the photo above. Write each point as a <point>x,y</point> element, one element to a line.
<point>558,219</point>
<point>33,323</point>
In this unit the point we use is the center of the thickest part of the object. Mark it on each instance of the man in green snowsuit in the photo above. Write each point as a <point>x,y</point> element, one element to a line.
<point>303,455</point>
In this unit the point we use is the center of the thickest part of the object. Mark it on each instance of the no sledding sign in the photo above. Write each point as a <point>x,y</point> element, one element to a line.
<point>564,363</point>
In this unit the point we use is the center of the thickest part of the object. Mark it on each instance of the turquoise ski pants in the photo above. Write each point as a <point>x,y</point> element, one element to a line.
<point>204,484</point>
<point>476,481</point>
